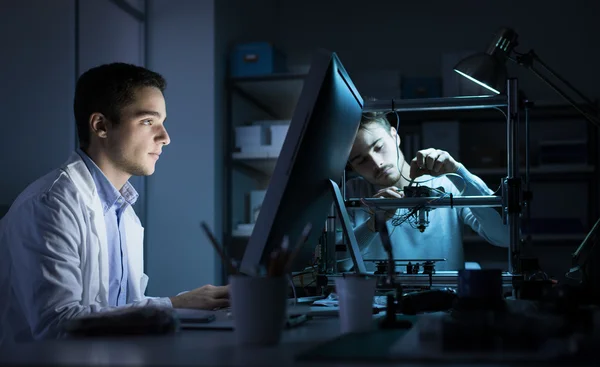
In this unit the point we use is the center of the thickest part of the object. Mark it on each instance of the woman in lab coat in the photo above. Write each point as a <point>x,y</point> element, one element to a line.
<point>71,243</point>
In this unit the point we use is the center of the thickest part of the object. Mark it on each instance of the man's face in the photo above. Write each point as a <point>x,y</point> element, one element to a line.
<point>135,144</point>
<point>375,155</point>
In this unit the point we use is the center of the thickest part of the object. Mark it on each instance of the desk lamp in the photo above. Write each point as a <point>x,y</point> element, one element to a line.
<point>488,69</point>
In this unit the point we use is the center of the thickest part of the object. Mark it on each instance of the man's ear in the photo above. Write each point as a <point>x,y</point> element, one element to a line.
<point>98,125</point>
<point>395,135</point>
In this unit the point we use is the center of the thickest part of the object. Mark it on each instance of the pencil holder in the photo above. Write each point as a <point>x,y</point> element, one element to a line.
<point>259,308</point>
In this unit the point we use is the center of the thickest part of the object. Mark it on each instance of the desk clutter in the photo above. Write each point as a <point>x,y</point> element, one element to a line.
<point>475,322</point>
<point>478,326</point>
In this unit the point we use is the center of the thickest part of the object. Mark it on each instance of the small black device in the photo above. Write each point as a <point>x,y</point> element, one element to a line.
<point>423,191</point>
<point>421,213</point>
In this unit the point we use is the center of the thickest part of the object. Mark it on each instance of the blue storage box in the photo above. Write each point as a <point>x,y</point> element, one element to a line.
<point>421,87</point>
<point>256,58</point>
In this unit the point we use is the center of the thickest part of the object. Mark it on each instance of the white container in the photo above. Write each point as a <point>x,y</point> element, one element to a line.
<point>250,138</point>
<point>278,133</point>
<point>259,308</point>
<point>355,300</point>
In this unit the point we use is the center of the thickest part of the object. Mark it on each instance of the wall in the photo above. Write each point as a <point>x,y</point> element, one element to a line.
<point>38,79</point>
<point>411,36</point>
<point>120,40</point>
<point>183,191</point>
<point>37,75</point>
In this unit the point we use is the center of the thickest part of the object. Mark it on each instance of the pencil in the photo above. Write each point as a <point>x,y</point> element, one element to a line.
<point>226,260</point>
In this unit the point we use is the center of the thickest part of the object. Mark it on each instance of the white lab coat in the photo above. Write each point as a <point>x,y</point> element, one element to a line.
<point>54,258</point>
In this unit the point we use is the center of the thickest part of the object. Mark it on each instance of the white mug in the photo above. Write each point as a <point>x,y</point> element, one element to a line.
<point>355,300</point>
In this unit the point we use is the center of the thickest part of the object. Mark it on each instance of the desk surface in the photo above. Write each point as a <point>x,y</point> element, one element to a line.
<point>195,347</point>
<point>188,347</point>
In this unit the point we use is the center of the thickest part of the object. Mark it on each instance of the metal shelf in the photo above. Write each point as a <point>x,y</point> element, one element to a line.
<point>262,163</point>
<point>276,94</point>
<point>542,112</point>
<point>241,233</point>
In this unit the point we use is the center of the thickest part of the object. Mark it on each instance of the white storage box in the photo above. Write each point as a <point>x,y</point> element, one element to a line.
<point>278,133</point>
<point>250,138</point>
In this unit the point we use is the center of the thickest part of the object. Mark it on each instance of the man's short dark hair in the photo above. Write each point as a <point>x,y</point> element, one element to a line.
<point>107,89</point>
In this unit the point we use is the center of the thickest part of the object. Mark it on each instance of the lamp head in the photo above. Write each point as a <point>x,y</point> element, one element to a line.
<point>488,68</point>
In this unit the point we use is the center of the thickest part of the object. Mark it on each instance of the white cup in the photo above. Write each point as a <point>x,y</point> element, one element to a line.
<point>259,308</point>
<point>355,300</point>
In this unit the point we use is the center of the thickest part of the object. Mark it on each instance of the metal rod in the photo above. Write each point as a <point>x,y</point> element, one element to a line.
<point>438,279</point>
<point>429,202</point>
<point>436,104</point>
<point>527,203</point>
<point>513,207</point>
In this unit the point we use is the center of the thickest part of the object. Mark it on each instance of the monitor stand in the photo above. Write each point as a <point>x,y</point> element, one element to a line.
<point>357,260</point>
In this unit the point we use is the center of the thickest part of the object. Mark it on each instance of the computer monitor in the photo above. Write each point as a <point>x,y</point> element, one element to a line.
<point>315,151</point>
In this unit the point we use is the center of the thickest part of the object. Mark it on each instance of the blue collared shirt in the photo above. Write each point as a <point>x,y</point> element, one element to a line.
<point>114,203</point>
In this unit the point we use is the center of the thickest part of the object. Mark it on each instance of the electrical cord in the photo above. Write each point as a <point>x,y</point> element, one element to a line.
<point>293,289</point>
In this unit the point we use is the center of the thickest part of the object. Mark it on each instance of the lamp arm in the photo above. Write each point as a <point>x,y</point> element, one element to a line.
<point>527,60</point>
<point>563,80</point>
<point>593,119</point>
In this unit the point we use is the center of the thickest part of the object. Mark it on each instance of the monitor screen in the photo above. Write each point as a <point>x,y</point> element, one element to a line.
<point>315,151</point>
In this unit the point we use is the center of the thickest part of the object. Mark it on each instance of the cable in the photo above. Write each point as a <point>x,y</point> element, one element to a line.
<point>504,113</point>
<point>293,289</point>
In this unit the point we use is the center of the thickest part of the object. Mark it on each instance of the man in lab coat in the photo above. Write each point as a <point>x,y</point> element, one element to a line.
<point>71,243</point>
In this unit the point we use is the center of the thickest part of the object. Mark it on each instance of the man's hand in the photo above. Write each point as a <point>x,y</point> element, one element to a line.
<point>391,192</point>
<point>207,297</point>
<point>433,162</point>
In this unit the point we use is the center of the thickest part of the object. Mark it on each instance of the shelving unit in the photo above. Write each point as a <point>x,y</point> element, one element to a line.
<point>276,95</point>
<point>252,98</point>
